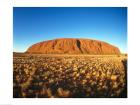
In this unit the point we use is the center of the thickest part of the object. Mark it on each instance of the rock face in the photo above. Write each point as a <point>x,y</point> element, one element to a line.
<point>73,46</point>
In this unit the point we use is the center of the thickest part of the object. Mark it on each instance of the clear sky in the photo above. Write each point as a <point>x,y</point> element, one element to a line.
<point>36,24</point>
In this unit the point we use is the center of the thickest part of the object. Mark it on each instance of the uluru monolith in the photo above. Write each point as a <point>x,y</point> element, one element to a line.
<point>73,46</point>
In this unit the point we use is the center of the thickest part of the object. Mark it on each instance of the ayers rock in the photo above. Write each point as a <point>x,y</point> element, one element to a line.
<point>73,46</point>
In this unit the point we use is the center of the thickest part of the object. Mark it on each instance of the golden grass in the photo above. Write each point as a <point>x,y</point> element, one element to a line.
<point>69,75</point>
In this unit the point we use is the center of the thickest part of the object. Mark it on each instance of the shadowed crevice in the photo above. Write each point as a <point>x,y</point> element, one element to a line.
<point>79,45</point>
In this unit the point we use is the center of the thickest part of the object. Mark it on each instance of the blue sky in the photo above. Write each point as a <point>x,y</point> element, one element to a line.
<point>35,24</point>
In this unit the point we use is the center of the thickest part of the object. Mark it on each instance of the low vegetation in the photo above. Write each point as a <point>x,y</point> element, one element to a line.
<point>82,76</point>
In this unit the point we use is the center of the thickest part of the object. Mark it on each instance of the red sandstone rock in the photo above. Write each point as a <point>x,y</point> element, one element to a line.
<point>73,46</point>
